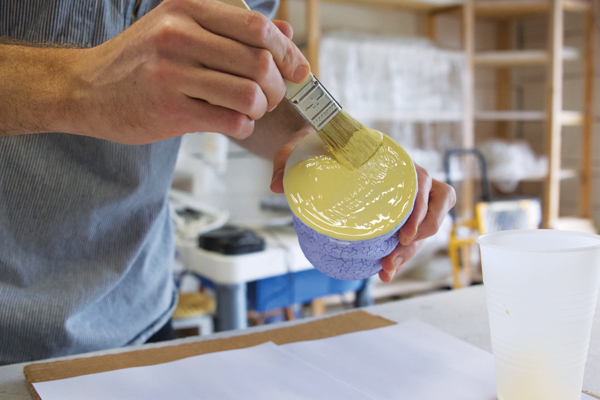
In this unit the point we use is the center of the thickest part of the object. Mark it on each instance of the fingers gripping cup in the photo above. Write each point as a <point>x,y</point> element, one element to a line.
<point>348,220</point>
<point>541,289</point>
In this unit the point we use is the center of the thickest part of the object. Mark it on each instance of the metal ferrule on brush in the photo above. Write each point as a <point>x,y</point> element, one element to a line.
<point>315,104</point>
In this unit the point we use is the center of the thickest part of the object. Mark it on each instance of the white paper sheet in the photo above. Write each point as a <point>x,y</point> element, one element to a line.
<point>260,372</point>
<point>411,361</point>
<point>408,361</point>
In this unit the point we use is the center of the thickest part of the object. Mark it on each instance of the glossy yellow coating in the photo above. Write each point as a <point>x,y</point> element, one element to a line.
<point>357,204</point>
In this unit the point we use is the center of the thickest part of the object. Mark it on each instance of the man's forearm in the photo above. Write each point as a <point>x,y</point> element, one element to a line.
<point>37,89</point>
<point>274,130</point>
<point>40,91</point>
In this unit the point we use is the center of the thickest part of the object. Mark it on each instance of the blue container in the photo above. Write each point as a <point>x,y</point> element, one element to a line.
<point>295,288</point>
<point>341,259</point>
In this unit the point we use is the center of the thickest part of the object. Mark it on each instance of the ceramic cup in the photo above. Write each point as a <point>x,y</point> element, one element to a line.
<point>341,259</point>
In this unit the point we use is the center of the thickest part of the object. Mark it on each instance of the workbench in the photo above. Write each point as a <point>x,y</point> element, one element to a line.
<point>461,313</point>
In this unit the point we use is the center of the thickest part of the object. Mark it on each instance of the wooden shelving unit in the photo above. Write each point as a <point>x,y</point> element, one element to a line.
<point>504,58</point>
<point>511,58</point>
<point>515,8</point>
<point>313,17</point>
<point>411,5</point>
<point>568,118</point>
<point>554,117</point>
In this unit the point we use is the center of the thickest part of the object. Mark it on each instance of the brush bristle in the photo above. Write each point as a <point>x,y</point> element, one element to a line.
<point>349,141</point>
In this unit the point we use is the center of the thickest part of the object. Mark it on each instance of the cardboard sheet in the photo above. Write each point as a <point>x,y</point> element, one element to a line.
<point>256,373</point>
<point>318,329</point>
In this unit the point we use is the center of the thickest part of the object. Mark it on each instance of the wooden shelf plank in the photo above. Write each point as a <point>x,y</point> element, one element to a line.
<point>564,174</point>
<point>576,5</point>
<point>572,118</point>
<point>418,5</point>
<point>490,8</point>
<point>568,118</point>
<point>416,117</point>
<point>507,58</point>
<point>509,8</point>
<point>575,224</point>
<point>522,116</point>
<point>568,174</point>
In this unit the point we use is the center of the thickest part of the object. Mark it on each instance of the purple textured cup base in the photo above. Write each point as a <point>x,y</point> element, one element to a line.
<point>341,259</point>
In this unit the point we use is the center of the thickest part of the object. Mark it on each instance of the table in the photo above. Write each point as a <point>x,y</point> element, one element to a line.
<point>461,313</point>
<point>231,273</point>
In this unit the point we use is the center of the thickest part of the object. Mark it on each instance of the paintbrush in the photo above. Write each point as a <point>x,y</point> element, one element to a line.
<point>350,142</point>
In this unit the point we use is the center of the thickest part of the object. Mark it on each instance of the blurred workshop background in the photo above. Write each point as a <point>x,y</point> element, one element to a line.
<point>495,97</point>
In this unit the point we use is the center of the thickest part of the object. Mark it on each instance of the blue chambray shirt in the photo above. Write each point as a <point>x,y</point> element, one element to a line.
<point>86,241</point>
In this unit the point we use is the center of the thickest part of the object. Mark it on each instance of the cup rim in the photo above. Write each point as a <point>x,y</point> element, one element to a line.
<point>482,240</point>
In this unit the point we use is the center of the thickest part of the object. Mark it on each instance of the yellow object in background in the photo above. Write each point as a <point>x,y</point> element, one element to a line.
<point>194,304</point>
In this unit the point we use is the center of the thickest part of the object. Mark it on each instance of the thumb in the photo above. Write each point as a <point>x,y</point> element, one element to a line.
<point>281,156</point>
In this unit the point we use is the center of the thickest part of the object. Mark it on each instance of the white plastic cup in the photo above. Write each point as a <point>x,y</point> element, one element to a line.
<point>541,288</point>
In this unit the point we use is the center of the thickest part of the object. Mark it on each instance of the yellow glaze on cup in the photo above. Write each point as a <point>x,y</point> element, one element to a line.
<point>354,204</point>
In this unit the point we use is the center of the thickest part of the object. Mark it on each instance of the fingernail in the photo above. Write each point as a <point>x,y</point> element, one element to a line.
<point>398,260</point>
<point>300,73</point>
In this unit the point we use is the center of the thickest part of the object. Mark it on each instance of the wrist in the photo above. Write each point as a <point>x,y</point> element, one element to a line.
<point>41,90</point>
<point>74,108</point>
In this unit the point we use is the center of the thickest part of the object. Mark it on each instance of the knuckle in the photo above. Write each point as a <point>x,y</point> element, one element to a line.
<point>237,126</point>
<point>450,195</point>
<point>236,123</point>
<point>289,56</point>
<point>166,32</point>
<point>279,98</point>
<point>425,176</point>
<point>432,228</point>
<point>251,97</point>
<point>264,62</point>
<point>287,29</point>
<point>259,26</point>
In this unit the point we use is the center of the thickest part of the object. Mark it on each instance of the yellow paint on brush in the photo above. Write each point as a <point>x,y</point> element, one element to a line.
<point>356,204</point>
<point>349,141</point>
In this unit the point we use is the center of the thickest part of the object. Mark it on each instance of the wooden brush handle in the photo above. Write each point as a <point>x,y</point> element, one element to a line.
<point>292,88</point>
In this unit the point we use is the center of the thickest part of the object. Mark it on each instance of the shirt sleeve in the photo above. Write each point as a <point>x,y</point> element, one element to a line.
<point>265,7</point>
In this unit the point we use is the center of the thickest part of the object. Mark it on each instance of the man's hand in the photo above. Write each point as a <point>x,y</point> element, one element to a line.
<point>187,66</point>
<point>433,202</point>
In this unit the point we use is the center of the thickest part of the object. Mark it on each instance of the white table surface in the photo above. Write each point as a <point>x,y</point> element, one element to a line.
<point>461,313</point>
<point>281,256</point>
